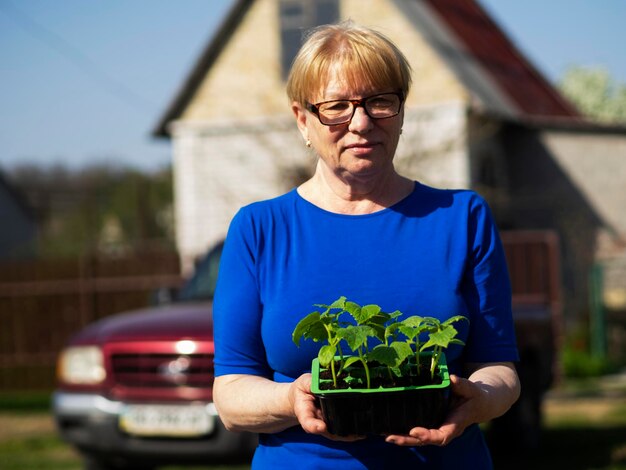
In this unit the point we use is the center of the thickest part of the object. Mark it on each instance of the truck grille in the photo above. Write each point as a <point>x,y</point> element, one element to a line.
<point>163,370</point>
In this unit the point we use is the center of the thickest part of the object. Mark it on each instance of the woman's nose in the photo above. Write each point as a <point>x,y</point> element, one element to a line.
<point>360,122</point>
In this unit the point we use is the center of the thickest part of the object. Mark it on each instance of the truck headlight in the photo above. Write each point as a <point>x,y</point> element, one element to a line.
<point>81,365</point>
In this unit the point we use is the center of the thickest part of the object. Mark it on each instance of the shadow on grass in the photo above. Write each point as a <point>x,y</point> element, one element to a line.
<point>573,448</point>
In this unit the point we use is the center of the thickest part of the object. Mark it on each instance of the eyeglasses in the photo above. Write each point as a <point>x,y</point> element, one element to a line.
<point>333,113</point>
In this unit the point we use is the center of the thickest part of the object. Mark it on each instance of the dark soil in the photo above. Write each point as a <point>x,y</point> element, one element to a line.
<point>380,377</point>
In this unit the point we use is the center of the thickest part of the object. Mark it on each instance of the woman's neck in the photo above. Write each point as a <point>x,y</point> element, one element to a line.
<point>355,197</point>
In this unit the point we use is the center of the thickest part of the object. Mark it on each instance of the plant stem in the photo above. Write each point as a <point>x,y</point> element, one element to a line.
<point>367,369</point>
<point>332,362</point>
<point>417,359</point>
<point>434,360</point>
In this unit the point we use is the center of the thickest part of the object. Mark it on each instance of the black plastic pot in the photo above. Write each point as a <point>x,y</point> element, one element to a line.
<point>378,411</point>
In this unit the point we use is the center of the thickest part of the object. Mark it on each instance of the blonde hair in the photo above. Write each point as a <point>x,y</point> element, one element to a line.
<point>362,55</point>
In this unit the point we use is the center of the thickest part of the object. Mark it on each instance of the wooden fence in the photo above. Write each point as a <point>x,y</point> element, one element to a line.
<point>43,303</point>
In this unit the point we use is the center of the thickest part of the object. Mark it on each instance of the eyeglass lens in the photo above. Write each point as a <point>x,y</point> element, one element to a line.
<point>376,107</point>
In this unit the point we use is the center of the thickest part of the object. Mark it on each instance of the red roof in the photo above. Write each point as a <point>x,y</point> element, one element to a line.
<point>497,55</point>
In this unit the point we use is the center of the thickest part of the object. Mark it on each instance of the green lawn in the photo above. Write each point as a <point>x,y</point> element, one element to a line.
<point>28,440</point>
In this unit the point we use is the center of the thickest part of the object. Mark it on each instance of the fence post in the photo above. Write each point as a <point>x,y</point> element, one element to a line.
<point>85,291</point>
<point>597,322</point>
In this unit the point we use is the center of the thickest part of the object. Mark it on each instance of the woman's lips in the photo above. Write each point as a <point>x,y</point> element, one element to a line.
<point>362,147</point>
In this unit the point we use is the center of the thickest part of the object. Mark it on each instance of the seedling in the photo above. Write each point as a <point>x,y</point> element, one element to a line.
<point>440,337</point>
<point>324,326</point>
<point>397,340</point>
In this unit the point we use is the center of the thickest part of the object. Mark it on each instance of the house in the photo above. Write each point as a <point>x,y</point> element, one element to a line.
<point>478,116</point>
<point>19,226</point>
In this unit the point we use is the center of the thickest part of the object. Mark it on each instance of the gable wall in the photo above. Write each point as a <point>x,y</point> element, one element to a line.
<point>596,164</point>
<point>245,80</point>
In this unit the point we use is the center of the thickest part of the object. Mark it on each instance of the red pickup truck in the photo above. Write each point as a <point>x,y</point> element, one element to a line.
<point>135,390</point>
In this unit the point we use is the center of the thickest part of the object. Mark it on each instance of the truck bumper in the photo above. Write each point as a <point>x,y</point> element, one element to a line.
<point>90,422</point>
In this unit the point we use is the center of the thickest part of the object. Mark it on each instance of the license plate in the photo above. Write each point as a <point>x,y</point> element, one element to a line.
<point>167,420</point>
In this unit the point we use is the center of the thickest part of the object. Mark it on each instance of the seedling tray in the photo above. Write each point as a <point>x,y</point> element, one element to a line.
<point>382,411</point>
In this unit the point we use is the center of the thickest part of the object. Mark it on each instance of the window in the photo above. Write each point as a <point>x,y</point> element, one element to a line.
<point>298,16</point>
<point>201,286</point>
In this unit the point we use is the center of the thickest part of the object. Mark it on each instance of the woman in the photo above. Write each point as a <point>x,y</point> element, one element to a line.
<point>358,228</point>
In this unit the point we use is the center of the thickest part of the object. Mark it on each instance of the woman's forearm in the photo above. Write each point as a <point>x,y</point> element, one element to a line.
<point>500,385</point>
<point>255,404</point>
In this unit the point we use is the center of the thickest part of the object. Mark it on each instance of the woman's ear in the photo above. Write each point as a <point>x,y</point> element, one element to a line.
<point>300,115</point>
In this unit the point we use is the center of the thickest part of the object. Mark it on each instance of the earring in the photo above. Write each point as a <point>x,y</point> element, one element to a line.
<point>308,143</point>
<point>400,131</point>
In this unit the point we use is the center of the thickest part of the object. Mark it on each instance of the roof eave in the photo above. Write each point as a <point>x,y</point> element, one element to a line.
<point>203,64</point>
<point>553,123</point>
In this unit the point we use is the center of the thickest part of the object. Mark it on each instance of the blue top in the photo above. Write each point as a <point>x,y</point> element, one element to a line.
<point>435,253</point>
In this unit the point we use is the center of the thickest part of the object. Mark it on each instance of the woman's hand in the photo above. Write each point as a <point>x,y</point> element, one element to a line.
<point>488,393</point>
<point>466,396</point>
<point>307,412</point>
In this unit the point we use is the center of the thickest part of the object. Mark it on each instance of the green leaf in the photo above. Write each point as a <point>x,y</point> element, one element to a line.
<point>441,338</point>
<point>390,330</point>
<point>356,336</point>
<point>414,321</point>
<point>392,356</point>
<point>326,354</point>
<point>303,327</point>
<point>317,332</point>
<point>368,312</point>
<point>413,326</point>
<point>339,303</point>
<point>402,349</point>
<point>378,332</point>
<point>379,319</point>
<point>351,360</point>
<point>432,322</point>
<point>454,319</point>
<point>385,355</point>
<point>394,315</point>
<point>353,309</point>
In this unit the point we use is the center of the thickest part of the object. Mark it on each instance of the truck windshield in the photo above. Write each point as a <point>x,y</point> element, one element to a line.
<point>201,286</point>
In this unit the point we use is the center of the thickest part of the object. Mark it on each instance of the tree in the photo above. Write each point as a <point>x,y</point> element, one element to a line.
<point>595,93</point>
<point>104,208</point>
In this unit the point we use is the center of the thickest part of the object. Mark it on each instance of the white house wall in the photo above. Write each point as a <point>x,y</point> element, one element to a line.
<point>433,146</point>
<point>595,163</point>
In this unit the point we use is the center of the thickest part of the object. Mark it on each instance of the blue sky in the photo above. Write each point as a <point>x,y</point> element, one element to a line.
<point>85,82</point>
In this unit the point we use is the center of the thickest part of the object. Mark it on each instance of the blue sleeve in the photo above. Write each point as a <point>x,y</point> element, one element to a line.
<point>487,290</point>
<point>237,311</point>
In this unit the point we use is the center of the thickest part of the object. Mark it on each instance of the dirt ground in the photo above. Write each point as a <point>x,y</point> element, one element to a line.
<point>588,409</point>
<point>18,425</point>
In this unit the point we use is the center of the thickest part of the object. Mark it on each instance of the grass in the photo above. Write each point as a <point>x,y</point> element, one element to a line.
<point>579,434</point>
<point>585,429</point>
<point>42,450</point>
<point>28,439</point>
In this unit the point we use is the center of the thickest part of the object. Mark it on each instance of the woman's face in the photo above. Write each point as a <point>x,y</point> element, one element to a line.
<point>356,151</point>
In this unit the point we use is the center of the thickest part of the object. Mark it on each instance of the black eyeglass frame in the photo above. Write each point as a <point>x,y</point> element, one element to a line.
<point>314,108</point>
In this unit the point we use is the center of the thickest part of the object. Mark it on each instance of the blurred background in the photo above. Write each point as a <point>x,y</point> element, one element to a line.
<point>130,132</point>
